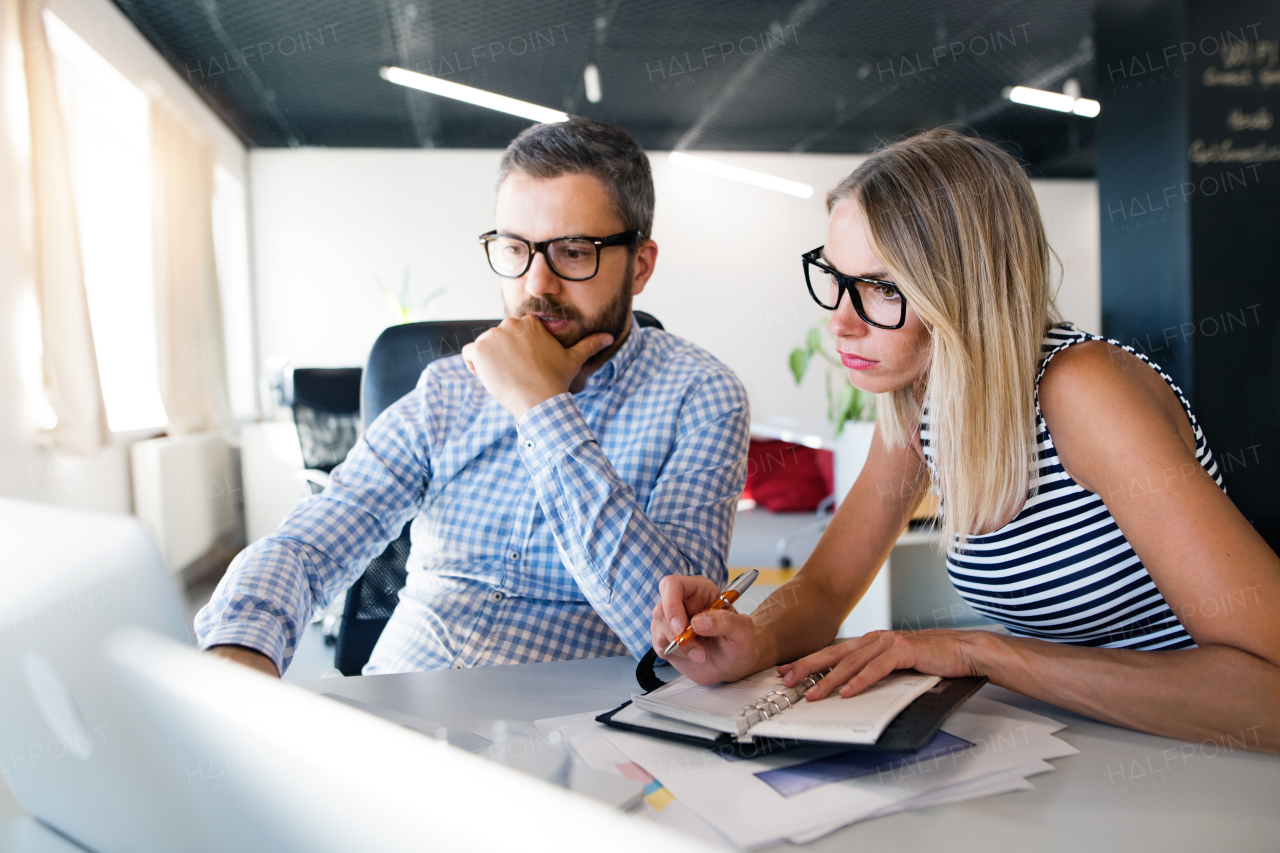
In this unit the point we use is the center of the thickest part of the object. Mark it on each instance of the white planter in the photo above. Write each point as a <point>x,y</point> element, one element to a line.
<point>851,448</point>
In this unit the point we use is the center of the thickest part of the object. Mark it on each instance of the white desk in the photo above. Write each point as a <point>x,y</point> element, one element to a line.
<point>1096,801</point>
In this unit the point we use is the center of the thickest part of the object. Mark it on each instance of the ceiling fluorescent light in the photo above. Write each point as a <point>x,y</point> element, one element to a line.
<point>1087,107</point>
<point>746,176</point>
<point>467,94</point>
<point>591,79</point>
<point>1052,101</point>
<point>1041,98</point>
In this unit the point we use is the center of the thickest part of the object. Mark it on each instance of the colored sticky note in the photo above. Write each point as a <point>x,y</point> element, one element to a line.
<point>634,772</point>
<point>657,796</point>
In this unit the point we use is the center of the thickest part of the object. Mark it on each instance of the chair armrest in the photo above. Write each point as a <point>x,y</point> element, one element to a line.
<point>312,480</point>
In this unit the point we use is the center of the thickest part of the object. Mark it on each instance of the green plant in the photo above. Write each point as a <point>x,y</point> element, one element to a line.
<point>850,403</point>
<point>403,305</point>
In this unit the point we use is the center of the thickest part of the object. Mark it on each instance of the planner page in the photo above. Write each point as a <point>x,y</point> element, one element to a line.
<point>859,719</point>
<point>720,706</point>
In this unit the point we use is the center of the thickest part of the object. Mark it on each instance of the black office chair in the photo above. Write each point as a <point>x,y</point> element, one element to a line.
<point>326,412</point>
<point>397,359</point>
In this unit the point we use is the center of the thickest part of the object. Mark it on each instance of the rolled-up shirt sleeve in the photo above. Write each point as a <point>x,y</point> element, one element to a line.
<point>273,587</point>
<point>617,550</point>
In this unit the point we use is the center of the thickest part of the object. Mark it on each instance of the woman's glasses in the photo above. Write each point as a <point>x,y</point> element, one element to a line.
<point>879,303</point>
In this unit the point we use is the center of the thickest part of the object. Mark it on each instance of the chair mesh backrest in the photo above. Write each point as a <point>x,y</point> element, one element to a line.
<point>326,437</point>
<point>326,412</point>
<point>396,361</point>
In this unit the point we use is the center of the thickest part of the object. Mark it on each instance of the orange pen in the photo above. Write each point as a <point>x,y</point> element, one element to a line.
<point>728,596</point>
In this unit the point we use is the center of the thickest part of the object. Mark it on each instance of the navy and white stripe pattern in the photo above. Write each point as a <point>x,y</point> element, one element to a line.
<point>542,540</point>
<point>1062,570</point>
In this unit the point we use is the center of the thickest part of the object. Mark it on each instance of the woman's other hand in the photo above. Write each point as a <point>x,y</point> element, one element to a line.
<point>724,649</point>
<point>857,664</point>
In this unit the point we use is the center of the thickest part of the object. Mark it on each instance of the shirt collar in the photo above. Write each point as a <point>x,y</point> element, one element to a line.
<point>613,369</point>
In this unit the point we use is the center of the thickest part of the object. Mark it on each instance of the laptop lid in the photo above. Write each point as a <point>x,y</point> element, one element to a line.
<point>68,745</point>
<point>117,733</point>
<point>286,769</point>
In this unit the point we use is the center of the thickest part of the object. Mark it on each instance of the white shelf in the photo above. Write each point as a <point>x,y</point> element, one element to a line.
<point>815,435</point>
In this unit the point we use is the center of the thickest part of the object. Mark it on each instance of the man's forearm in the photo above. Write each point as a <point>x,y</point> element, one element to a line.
<point>615,550</point>
<point>261,604</point>
<point>246,657</point>
<point>618,554</point>
<point>274,586</point>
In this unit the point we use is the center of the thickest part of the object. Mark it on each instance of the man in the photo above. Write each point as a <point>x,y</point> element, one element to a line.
<point>555,471</point>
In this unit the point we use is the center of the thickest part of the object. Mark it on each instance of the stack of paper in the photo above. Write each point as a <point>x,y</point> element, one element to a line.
<point>986,748</point>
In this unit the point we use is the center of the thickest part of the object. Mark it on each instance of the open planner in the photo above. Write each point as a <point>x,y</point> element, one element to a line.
<point>760,707</point>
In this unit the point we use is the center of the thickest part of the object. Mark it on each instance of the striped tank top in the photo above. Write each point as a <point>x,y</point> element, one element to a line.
<point>1061,570</point>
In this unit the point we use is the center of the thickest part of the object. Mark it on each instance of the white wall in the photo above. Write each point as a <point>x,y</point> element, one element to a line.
<point>329,223</point>
<point>1069,209</point>
<point>28,468</point>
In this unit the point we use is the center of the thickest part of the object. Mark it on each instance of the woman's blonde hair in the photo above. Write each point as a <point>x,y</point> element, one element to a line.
<point>955,222</point>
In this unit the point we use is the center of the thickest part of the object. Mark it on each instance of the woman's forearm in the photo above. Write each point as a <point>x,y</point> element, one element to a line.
<point>1214,693</point>
<point>798,618</point>
<point>804,614</point>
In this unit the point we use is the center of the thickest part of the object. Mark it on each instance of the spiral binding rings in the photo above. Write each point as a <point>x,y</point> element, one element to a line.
<point>762,706</point>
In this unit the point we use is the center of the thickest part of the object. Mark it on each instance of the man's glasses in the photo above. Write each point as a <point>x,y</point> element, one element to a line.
<point>570,258</point>
<point>879,303</point>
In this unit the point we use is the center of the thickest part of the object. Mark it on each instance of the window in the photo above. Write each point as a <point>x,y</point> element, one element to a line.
<point>231,250</point>
<point>108,138</point>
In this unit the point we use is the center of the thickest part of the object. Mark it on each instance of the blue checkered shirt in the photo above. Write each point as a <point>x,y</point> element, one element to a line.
<point>542,540</point>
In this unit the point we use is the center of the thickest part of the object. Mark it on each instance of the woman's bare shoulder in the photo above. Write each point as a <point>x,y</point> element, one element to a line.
<point>1097,398</point>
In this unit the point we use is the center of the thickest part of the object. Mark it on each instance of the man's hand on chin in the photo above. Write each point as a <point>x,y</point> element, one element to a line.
<point>522,364</point>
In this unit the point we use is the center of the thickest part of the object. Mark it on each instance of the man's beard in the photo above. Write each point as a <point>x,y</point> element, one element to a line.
<point>613,318</point>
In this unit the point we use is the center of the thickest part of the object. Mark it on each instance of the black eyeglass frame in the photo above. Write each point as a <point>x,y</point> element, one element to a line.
<point>844,284</point>
<point>622,238</point>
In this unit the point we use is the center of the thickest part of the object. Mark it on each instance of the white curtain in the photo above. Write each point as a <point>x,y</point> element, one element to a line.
<point>52,241</point>
<point>193,374</point>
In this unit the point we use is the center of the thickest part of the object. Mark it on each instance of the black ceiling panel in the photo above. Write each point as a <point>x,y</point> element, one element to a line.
<point>758,75</point>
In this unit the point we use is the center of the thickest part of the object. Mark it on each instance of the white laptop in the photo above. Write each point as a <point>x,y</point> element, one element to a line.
<point>116,733</point>
<point>68,743</point>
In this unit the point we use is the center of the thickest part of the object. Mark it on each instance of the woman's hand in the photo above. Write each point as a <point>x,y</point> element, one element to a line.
<point>858,664</point>
<point>724,649</point>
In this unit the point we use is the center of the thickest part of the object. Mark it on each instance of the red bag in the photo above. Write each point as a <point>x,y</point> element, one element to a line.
<point>786,477</point>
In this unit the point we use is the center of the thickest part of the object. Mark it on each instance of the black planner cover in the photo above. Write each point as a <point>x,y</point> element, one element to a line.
<point>910,731</point>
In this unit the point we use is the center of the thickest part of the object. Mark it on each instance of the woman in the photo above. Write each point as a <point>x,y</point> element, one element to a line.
<point>1083,505</point>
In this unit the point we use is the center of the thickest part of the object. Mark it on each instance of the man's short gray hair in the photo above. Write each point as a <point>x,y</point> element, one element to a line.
<point>581,145</point>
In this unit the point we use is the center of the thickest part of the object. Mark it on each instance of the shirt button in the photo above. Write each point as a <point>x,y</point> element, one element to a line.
<point>496,595</point>
<point>529,444</point>
<point>457,666</point>
<point>514,555</point>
